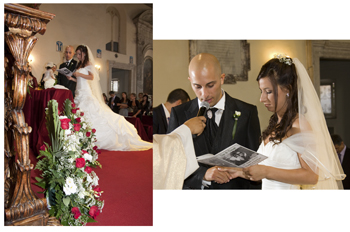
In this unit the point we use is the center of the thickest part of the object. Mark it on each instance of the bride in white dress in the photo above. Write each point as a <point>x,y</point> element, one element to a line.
<point>297,143</point>
<point>113,132</point>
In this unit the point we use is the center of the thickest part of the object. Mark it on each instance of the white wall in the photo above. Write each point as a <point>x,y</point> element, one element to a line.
<point>87,24</point>
<point>171,59</point>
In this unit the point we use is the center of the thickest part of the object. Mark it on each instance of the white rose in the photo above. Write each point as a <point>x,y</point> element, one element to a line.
<point>82,119</point>
<point>238,113</point>
<point>88,179</point>
<point>95,181</point>
<point>81,194</point>
<point>87,156</point>
<point>69,187</point>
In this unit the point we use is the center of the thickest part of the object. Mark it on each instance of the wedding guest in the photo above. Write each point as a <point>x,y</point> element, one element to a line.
<point>70,64</point>
<point>32,82</point>
<point>140,97</point>
<point>124,105</point>
<point>105,98</point>
<point>113,101</point>
<point>134,105</point>
<point>49,77</point>
<point>161,113</point>
<point>145,105</point>
<point>344,157</point>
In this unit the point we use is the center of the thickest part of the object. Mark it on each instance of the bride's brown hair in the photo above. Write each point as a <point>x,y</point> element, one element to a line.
<point>83,48</point>
<point>285,76</point>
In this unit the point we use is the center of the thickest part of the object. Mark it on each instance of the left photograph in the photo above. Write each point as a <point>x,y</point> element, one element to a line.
<point>78,122</point>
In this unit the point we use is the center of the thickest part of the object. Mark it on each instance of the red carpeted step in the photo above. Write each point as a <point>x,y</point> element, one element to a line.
<point>126,179</point>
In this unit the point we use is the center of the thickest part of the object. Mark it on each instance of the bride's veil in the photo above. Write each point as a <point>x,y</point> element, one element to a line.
<point>315,144</point>
<point>95,83</point>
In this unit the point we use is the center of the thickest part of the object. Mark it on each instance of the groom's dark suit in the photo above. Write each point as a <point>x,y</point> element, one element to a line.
<point>62,79</point>
<point>247,134</point>
<point>346,167</point>
<point>160,124</point>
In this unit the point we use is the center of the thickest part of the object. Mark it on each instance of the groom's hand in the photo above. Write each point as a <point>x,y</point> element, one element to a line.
<point>213,174</point>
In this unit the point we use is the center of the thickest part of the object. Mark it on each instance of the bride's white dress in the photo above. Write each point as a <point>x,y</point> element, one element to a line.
<point>113,132</point>
<point>279,156</point>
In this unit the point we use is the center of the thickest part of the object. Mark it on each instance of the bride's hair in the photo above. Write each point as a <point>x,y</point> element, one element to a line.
<point>283,75</point>
<point>83,48</point>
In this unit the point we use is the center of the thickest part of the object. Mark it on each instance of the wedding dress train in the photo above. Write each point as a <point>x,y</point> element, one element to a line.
<point>113,132</point>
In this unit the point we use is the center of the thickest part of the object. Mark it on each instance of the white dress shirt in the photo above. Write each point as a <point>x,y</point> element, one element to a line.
<point>167,113</point>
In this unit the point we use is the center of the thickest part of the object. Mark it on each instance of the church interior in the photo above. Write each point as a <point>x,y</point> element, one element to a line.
<point>120,38</point>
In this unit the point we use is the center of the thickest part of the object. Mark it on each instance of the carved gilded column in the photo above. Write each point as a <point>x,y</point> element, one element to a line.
<point>22,207</point>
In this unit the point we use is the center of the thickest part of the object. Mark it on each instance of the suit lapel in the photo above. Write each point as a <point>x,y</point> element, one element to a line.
<point>192,110</point>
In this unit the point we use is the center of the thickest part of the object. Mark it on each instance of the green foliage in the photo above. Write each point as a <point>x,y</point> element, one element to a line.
<point>57,163</point>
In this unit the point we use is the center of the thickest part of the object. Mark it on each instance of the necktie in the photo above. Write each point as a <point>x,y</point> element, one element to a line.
<point>168,119</point>
<point>211,126</point>
<point>67,63</point>
<point>339,155</point>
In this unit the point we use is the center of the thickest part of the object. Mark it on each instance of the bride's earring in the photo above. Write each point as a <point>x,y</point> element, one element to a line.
<point>287,94</point>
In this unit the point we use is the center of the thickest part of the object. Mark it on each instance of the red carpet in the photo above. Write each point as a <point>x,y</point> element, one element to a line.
<point>126,179</point>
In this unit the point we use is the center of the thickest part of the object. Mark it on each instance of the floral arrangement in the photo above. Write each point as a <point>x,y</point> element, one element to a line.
<point>235,116</point>
<point>283,58</point>
<point>71,186</point>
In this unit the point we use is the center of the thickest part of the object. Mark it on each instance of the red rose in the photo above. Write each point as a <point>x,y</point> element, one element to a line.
<point>43,147</point>
<point>88,134</point>
<point>93,130</point>
<point>88,169</point>
<point>79,162</point>
<point>77,127</point>
<point>73,105</point>
<point>74,111</point>
<point>98,190</point>
<point>82,114</point>
<point>95,148</point>
<point>94,211</point>
<point>84,151</point>
<point>76,212</point>
<point>78,120</point>
<point>65,123</point>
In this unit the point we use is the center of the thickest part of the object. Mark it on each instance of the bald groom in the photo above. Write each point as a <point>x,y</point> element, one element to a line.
<point>206,81</point>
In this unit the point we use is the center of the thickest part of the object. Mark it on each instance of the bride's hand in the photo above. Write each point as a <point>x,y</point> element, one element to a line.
<point>233,172</point>
<point>255,172</point>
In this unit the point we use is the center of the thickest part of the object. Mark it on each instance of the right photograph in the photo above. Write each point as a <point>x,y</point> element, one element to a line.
<point>251,114</point>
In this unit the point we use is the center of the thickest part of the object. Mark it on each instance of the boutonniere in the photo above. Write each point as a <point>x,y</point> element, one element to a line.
<point>235,116</point>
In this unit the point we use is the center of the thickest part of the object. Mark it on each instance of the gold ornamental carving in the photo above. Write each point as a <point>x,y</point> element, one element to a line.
<point>22,207</point>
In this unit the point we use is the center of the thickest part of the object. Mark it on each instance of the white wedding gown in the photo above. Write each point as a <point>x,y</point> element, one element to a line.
<point>279,156</point>
<point>113,132</point>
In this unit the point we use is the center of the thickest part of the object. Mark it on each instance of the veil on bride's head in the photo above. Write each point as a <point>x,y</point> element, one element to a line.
<point>313,142</point>
<point>95,82</point>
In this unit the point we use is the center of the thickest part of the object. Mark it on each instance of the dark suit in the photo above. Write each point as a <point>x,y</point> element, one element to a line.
<point>247,134</point>
<point>62,79</point>
<point>160,123</point>
<point>115,108</point>
<point>346,167</point>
